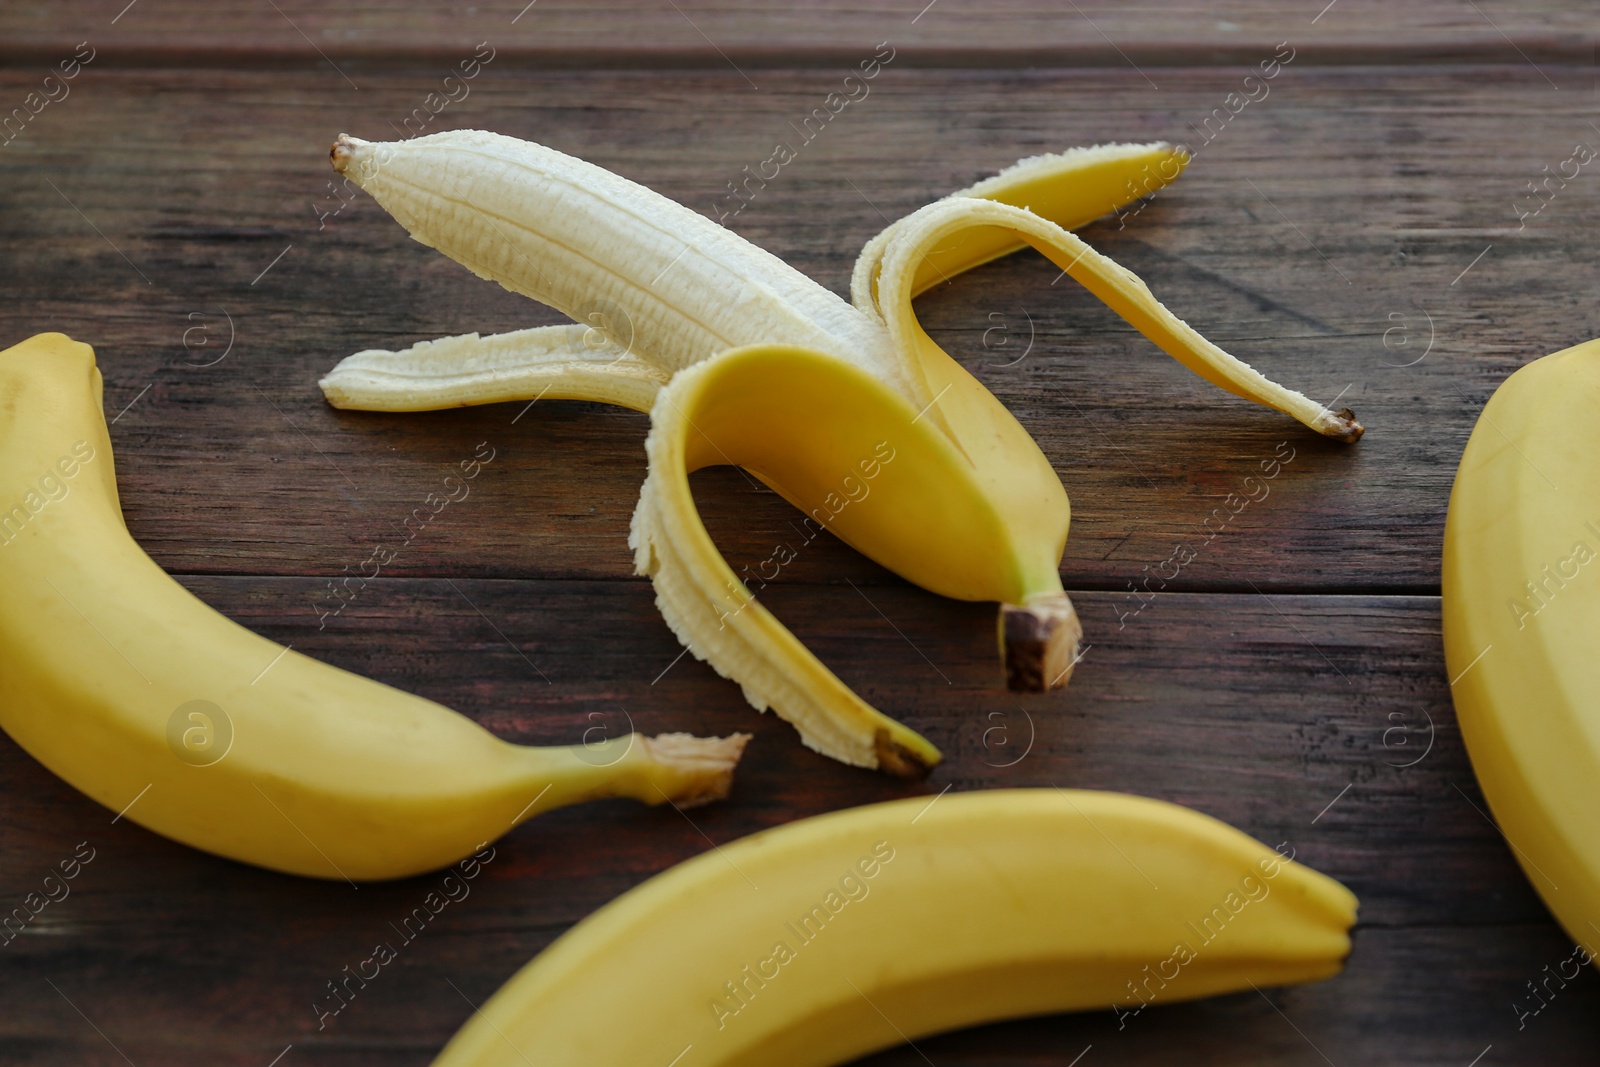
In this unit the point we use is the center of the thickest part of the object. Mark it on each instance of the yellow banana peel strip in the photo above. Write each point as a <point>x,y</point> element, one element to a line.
<point>1071,188</point>
<point>891,282</point>
<point>877,464</point>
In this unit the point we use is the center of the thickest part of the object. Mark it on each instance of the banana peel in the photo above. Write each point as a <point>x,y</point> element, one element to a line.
<point>662,297</point>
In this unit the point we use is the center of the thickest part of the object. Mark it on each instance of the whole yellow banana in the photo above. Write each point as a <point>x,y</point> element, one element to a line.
<point>828,938</point>
<point>1521,607</point>
<point>119,680</point>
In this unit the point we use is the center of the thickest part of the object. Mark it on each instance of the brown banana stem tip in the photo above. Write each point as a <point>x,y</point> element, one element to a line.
<point>1342,426</point>
<point>1039,643</point>
<point>894,758</point>
<point>339,154</point>
<point>707,763</point>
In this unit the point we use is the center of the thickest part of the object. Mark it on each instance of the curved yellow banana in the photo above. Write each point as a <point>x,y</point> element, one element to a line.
<point>828,938</point>
<point>119,680</point>
<point>1521,611</point>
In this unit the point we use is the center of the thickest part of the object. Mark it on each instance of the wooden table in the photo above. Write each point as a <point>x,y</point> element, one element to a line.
<point>1354,234</point>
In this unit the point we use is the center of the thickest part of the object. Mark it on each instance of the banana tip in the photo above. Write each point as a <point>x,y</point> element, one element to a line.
<point>897,759</point>
<point>334,392</point>
<point>1039,643</point>
<point>1342,426</point>
<point>343,148</point>
<point>705,764</point>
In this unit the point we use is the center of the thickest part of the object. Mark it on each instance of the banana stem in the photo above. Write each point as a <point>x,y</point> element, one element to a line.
<point>679,769</point>
<point>1039,642</point>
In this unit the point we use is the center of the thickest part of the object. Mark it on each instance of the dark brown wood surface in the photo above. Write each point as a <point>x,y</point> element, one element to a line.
<point>574,34</point>
<point>1355,234</point>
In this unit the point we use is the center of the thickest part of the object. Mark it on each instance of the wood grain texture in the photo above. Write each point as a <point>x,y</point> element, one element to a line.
<point>1260,712</point>
<point>1331,234</point>
<point>1354,234</point>
<point>719,34</point>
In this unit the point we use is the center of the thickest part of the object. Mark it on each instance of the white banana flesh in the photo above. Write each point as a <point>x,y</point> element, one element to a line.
<point>566,362</point>
<point>582,239</point>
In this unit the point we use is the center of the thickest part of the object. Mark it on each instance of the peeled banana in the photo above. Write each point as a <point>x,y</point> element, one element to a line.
<point>1521,612</point>
<point>828,938</point>
<point>657,289</point>
<point>119,680</point>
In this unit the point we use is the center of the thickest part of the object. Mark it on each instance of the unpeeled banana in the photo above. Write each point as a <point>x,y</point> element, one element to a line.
<point>828,938</point>
<point>119,680</point>
<point>1521,609</point>
<point>657,289</point>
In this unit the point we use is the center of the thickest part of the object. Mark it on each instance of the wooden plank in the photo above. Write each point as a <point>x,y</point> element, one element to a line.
<point>1434,997</point>
<point>1291,718</point>
<point>1444,1002</point>
<point>369,34</point>
<point>1342,214</point>
<point>1350,234</point>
